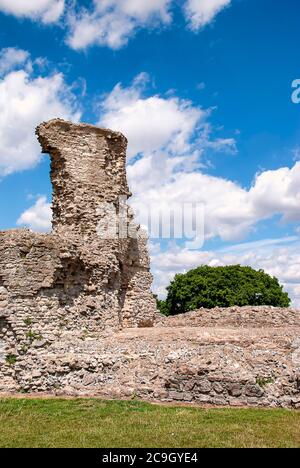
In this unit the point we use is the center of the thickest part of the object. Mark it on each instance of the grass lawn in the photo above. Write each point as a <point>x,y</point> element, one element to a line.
<point>112,424</point>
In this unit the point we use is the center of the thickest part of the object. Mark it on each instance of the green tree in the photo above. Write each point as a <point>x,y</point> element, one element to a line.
<point>226,286</point>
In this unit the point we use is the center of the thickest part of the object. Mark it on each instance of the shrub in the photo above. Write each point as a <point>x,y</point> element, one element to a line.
<point>226,286</point>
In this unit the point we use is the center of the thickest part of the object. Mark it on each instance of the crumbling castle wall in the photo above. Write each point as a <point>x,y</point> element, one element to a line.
<point>81,277</point>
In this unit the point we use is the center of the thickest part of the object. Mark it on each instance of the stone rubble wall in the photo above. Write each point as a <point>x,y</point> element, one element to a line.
<point>220,366</point>
<point>73,279</point>
<point>239,317</point>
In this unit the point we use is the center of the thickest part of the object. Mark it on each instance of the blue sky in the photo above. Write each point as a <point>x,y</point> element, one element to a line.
<point>203,90</point>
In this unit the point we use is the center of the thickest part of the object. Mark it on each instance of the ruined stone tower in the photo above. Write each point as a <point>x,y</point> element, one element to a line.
<point>75,278</point>
<point>88,168</point>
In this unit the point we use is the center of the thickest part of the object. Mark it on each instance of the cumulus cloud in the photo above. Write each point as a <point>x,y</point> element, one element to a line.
<point>151,124</point>
<point>38,217</point>
<point>47,11</point>
<point>25,101</point>
<point>12,58</point>
<point>231,212</point>
<point>200,13</point>
<point>228,213</point>
<point>278,192</point>
<point>111,22</point>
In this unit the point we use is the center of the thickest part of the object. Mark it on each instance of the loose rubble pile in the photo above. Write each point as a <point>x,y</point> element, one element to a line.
<point>77,316</point>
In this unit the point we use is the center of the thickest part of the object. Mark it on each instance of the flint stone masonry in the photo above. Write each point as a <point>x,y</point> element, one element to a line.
<point>73,278</point>
<point>77,316</point>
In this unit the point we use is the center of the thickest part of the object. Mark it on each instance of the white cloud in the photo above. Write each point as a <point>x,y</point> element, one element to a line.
<point>278,192</point>
<point>112,22</point>
<point>151,124</point>
<point>47,11</point>
<point>25,101</point>
<point>11,58</point>
<point>228,211</point>
<point>38,217</point>
<point>200,13</point>
<point>231,211</point>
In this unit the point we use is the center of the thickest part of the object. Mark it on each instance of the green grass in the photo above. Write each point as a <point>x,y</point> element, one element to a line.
<point>112,424</point>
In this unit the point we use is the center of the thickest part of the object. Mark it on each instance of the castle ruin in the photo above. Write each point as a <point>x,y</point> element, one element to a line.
<point>77,316</point>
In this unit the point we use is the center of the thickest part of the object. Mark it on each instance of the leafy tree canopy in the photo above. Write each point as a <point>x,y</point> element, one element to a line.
<point>226,286</point>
